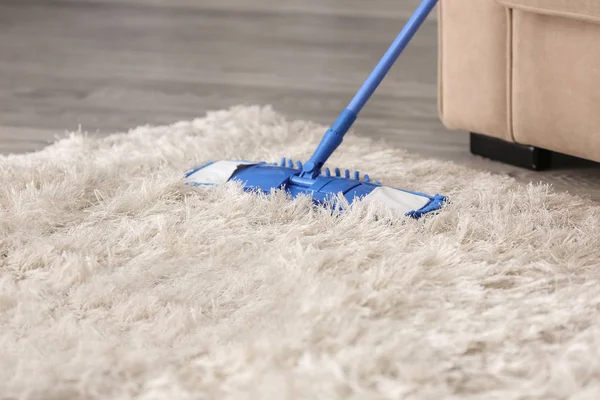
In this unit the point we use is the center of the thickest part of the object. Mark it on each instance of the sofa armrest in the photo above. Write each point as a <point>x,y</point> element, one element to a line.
<point>474,52</point>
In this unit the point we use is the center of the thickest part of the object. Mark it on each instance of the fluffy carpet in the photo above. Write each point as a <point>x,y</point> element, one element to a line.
<point>117,281</point>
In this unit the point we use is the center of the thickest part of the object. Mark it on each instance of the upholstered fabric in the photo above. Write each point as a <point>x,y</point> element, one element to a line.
<point>575,9</point>
<point>523,70</point>
<point>473,66</point>
<point>556,84</point>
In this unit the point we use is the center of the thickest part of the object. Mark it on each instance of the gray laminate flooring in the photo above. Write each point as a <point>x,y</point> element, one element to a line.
<point>111,65</point>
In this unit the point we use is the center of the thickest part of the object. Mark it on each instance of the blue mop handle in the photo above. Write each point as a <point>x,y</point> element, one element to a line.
<point>334,135</point>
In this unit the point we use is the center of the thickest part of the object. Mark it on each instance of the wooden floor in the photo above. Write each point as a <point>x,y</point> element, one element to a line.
<point>110,65</point>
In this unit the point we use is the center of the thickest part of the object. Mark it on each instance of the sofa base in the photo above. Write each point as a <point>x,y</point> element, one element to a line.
<point>529,157</point>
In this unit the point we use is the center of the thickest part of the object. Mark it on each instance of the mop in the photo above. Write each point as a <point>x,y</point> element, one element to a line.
<point>324,186</point>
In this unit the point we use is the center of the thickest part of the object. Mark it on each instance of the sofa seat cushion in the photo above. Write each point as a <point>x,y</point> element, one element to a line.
<point>587,10</point>
<point>555,77</point>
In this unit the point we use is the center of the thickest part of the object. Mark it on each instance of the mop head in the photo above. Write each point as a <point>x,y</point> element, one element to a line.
<point>324,189</point>
<point>318,183</point>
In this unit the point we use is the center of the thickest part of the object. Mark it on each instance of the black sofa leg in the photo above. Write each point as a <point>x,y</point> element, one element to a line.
<point>519,155</point>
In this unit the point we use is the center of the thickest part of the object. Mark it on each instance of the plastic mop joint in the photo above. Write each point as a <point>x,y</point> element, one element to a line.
<point>310,178</point>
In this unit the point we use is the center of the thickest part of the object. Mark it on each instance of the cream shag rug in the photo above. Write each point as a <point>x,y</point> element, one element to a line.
<point>116,281</point>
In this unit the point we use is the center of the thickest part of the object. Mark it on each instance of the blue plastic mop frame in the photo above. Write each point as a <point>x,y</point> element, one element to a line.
<point>310,178</point>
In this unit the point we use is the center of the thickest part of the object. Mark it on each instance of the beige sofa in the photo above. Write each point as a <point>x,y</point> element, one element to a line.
<point>522,75</point>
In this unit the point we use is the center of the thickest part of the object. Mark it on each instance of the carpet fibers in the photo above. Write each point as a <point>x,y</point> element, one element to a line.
<point>117,281</point>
